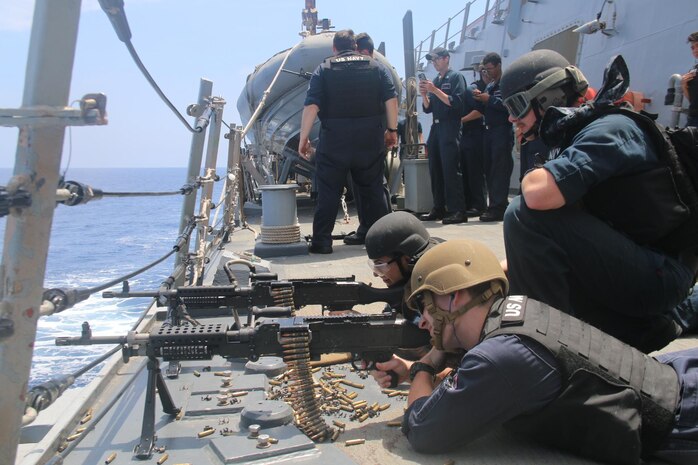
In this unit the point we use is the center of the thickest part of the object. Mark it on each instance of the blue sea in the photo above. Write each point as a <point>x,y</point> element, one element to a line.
<point>94,243</point>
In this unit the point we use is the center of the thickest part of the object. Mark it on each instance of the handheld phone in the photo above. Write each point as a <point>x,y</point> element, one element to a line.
<point>422,77</point>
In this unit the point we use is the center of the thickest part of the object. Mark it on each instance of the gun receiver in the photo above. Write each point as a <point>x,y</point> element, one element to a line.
<point>331,293</point>
<point>372,338</point>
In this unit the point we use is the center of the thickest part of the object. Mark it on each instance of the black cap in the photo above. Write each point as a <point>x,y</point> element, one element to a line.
<point>437,52</point>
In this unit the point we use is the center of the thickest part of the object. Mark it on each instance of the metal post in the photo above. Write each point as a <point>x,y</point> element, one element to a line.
<point>234,178</point>
<point>418,55</point>
<point>448,29</point>
<point>195,156</point>
<point>408,44</point>
<point>675,83</point>
<point>37,163</point>
<point>431,42</point>
<point>484,16</point>
<point>466,16</point>
<point>214,134</point>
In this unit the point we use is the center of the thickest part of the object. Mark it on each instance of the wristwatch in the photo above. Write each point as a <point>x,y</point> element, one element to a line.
<point>421,366</point>
<point>392,129</point>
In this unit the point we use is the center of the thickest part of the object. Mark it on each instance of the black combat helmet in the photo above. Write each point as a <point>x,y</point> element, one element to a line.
<point>397,233</point>
<point>543,78</point>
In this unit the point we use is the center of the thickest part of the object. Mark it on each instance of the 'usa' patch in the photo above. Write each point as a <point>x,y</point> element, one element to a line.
<point>513,310</point>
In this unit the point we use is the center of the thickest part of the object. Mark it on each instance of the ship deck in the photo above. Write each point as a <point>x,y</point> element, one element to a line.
<point>118,430</point>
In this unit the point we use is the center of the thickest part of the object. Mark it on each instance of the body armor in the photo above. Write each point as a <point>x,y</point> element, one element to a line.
<point>351,87</point>
<point>616,404</point>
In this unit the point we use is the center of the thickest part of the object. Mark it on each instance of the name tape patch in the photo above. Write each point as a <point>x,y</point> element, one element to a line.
<point>513,310</point>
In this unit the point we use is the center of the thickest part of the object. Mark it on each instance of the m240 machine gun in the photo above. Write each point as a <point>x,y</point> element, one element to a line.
<point>371,338</point>
<point>368,337</point>
<point>265,290</point>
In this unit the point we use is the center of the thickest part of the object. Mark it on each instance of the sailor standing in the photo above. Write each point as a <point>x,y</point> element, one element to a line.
<point>353,95</point>
<point>443,98</point>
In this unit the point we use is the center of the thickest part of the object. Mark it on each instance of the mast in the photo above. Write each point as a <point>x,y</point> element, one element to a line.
<point>37,164</point>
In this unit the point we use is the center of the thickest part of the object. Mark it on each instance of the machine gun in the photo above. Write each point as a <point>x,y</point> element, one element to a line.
<point>372,338</point>
<point>265,290</point>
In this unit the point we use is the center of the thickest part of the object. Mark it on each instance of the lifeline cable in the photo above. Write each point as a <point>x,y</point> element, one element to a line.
<point>116,14</point>
<point>180,241</point>
<point>62,299</point>
<point>142,194</point>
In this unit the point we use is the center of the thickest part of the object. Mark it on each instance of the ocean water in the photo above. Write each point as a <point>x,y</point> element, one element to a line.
<point>94,243</point>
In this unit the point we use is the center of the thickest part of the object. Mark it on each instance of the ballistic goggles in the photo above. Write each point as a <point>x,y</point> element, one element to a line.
<point>519,103</point>
<point>379,267</point>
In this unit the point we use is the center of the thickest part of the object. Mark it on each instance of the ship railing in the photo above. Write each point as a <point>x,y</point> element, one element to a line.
<point>210,231</point>
<point>469,29</point>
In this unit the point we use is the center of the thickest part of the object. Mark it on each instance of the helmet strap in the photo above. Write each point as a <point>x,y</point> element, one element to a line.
<point>441,316</point>
<point>404,272</point>
<point>533,132</point>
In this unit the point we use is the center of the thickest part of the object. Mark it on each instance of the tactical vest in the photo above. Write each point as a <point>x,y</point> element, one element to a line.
<point>616,404</point>
<point>351,87</point>
<point>656,208</point>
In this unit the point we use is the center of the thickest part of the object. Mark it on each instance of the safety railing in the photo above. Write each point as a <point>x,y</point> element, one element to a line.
<point>466,24</point>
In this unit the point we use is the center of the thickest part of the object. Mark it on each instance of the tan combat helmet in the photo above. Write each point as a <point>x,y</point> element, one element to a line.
<point>449,267</point>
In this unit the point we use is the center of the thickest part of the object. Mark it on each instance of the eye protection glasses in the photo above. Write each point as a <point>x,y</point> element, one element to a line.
<point>380,267</point>
<point>519,103</point>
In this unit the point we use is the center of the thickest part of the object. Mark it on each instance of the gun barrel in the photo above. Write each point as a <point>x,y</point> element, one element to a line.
<point>127,295</point>
<point>131,338</point>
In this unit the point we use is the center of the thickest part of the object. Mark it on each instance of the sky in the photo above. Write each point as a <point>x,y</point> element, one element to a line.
<point>181,41</point>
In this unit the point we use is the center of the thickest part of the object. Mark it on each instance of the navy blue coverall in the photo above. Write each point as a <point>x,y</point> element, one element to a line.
<point>499,141</point>
<point>444,153</point>
<point>472,154</point>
